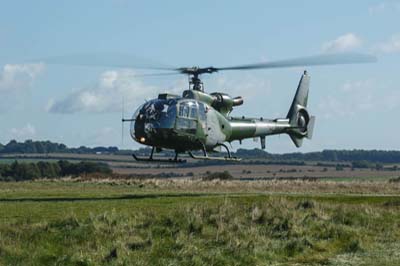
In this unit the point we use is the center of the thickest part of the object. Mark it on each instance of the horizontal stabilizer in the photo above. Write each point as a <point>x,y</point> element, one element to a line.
<point>296,140</point>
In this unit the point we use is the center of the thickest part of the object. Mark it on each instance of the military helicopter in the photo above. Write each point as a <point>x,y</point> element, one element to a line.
<point>201,121</point>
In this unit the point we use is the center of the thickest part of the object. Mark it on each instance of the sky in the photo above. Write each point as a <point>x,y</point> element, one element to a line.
<point>357,106</point>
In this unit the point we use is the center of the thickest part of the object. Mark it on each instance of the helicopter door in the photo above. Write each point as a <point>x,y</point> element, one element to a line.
<point>203,117</point>
<point>214,134</point>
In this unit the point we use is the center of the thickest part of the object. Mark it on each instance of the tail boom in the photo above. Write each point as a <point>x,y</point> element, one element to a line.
<point>298,124</point>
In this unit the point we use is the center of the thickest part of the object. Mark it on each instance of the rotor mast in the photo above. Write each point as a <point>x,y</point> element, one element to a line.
<point>194,73</point>
<point>195,83</point>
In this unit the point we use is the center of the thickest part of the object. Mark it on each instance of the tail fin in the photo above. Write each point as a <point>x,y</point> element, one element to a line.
<point>302,124</point>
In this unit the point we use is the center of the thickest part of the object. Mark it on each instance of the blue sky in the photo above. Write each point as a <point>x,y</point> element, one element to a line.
<point>357,106</point>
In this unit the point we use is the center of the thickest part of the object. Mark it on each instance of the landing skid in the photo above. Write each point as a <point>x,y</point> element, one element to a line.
<point>196,157</point>
<point>151,159</point>
<point>216,158</point>
<point>170,160</point>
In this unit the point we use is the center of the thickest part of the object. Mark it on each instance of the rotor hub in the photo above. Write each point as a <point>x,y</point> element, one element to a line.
<point>194,73</point>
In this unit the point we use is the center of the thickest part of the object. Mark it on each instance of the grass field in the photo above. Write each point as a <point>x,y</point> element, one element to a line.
<point>186,222</point>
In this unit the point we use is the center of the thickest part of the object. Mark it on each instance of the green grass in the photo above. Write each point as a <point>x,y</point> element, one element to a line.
<point>68,223</point>
<point>358,178</point>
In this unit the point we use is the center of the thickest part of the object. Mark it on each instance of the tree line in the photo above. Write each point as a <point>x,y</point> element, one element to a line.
<point>30,146</point>
<point>18,171</point>
<point>374,156</point>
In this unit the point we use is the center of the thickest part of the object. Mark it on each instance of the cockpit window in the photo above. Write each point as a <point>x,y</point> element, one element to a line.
<point>188,109</point>
<point>187,116</point>
<point>193,113</point>
<point>183,110</point>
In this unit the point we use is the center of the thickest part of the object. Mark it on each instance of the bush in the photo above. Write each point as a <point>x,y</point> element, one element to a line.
<point>361,164</point>
<point>394,180</point>
<point>67,168</point>
<point>30,171</point>
<point>225,175</point>
<point>305,204</point>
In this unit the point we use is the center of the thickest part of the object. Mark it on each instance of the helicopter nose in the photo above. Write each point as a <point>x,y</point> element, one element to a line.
<point>137,129</point>
<point>142,130</point>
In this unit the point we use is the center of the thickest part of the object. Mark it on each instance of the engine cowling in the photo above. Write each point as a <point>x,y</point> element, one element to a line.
<point>224,103</point>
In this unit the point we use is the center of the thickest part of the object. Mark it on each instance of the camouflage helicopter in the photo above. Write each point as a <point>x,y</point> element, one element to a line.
<point>201,121</point>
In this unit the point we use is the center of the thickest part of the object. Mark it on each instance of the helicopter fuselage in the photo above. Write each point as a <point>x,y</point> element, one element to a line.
<point>197,121</point>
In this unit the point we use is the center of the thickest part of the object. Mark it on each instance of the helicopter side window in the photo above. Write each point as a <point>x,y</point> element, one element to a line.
<point>193,112</point>
<point>202,112</point>
<point>187,116</point>
<point>188,109</point>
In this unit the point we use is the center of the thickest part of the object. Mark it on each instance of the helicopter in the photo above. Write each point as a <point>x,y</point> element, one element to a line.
<point>201,121</point>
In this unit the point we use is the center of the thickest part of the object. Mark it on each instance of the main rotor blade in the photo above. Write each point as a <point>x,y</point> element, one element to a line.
<point>153,74</point>
<point>319,60</point>
<point>104,60</point>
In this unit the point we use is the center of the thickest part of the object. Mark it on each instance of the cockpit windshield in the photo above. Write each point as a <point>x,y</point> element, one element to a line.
<point>154,114</point>
<point>160,112</point>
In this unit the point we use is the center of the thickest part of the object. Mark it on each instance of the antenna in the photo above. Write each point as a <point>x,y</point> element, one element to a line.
<point>122,121</point>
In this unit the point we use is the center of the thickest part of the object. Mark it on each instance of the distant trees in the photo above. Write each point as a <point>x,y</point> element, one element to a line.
<point>68,168</point>
<point>29,171</point>
<point>372,156</point>
<point>30,146</point>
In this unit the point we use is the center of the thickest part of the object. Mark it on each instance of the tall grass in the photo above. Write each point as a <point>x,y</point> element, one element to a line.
<point>240,230</point>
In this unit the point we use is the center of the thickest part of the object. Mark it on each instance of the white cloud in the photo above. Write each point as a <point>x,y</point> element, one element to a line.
<point>354,98</point>
<point>49,105</point>
<point>390,46</point>
<point>357,86</point>
<point>249,86</point>
<point>15,81</point>
<point>106,95</point>
<point>384,6</point>
<point>377,8</point>
<point>26,132</point>
<point>15,77</point>
<point>344,43</point>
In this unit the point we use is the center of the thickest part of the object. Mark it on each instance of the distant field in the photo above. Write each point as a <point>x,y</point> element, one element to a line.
<point>122,164</point>
<point>193,222</point>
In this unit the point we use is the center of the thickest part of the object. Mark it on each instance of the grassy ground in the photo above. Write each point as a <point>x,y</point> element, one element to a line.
<point>179,222</point>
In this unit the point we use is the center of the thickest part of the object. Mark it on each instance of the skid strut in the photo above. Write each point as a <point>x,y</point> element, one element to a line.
<point>151,159</point>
